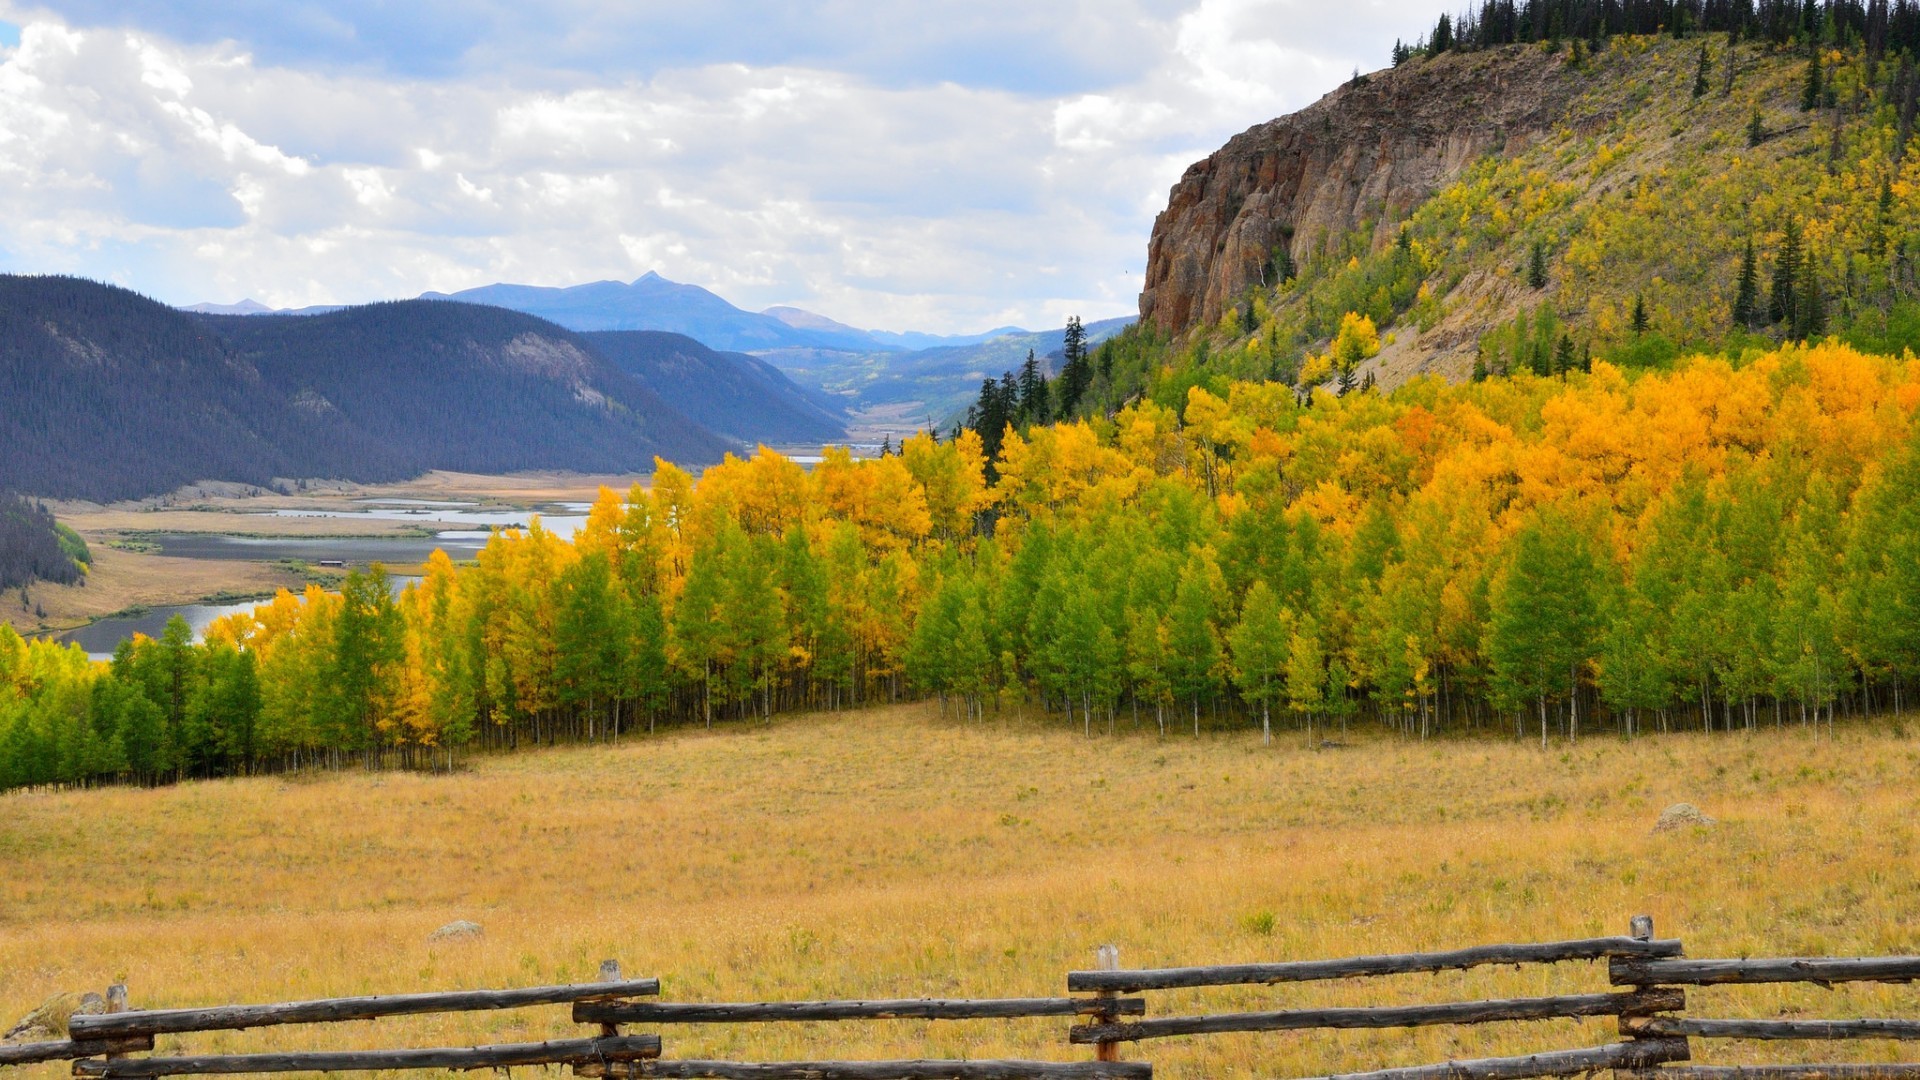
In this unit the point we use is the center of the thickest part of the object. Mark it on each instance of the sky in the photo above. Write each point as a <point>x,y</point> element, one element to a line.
<point>943,166</point>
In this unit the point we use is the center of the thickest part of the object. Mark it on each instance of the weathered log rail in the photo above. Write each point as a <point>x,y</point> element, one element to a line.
<point>559,1052</point>
<point>69,1049</point>
<point>1649,978</point>
<point>1360,966</point>
<point>678,1012</point>
<point>1460,1012</point>
<point>878,1070</point>
<point>334,1010</point>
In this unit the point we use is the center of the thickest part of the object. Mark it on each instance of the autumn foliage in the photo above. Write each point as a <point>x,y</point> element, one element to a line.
<point>1724,545</point>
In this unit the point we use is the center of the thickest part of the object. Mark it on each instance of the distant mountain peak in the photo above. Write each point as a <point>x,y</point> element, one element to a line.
<point>249,306</point>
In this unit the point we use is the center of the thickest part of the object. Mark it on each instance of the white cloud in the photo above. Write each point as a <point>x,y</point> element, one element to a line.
<point>195,171</point>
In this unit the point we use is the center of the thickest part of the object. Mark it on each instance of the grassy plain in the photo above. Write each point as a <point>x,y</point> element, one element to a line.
<point>894,853</point>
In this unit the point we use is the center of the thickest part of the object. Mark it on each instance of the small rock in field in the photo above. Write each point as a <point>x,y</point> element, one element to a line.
<point>457,930</point>
<point>1679,816</point>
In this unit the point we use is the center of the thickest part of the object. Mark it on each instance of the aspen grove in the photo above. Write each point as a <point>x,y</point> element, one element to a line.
<point>1730,544</point>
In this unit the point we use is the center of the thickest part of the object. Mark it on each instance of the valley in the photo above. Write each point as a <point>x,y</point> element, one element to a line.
<point>225,546</point>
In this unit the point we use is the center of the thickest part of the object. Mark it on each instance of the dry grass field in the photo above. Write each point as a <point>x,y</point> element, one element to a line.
<point>894,853</point>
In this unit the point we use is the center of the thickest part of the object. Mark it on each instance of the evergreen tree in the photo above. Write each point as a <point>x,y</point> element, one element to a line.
<point>1076,373</point>
<point>1033,401</point>
<point>1781,302</point>
<point>1564,357</point>
<point>1746,299</point>
<point>1700,84</point>
<point>989,415</point>
<point>1810,303</point>
<point>1756,129</point>
<point>1811,93</point>
<point>1537,267</point>
<point>1442,35</point>
<point>1640,322</point>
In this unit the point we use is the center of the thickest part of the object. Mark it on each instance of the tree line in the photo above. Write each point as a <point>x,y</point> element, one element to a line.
<point>1882,26</point>
<point>1729,545</point>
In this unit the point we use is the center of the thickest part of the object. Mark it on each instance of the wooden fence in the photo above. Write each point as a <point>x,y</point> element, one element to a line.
<point>1648,978</point>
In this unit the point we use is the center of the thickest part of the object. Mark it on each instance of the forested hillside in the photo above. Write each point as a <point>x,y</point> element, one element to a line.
<point>1720,177</point>
<point>461,386</point>
<point>111,395</point>
<point>739,396</point>
<point>33,547</point>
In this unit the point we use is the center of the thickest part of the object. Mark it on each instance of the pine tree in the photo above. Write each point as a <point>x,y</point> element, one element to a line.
<point>1746,300</point>
<point>1786,275</point>
<point>1033,403</point>
<point>1756,129</point>
<point>1700,83</point>
<point>1640,322</point>
<point>1076,374</point>
<point>1563,355</point>
<point>989,415</point>
<point>1537,267</point>
<point>1810,311</point>
<point>1811,92</point>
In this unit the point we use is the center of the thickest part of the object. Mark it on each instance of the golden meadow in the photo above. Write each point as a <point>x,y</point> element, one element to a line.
<point>893,852</point>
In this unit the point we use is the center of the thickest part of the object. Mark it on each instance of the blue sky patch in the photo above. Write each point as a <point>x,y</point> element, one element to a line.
<point>9,35</point>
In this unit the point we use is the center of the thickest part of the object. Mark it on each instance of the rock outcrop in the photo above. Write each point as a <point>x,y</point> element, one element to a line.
<point>1370,151</point>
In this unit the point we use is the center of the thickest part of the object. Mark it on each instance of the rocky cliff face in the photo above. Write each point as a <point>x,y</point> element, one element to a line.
<point>1369,151</point>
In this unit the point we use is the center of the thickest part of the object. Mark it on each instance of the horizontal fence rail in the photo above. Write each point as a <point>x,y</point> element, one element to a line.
<point>675,1012</point>
<point>1634,971</point>
<point>1461,1012</point>
<point>875,1070</point>
<point>563,1052</point>
<point>1402,964</point>
<point>68,1049</point>
<point>1770,1029</point>
<point>1894,1071</point>
<point>329,1010</point>
<point>1629,1055</point>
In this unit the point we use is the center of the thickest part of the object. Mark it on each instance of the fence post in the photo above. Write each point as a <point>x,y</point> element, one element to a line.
<point>609,973</point>
<point>116,1003</point>
<point>1642,927</point>
<point>1107,958</point>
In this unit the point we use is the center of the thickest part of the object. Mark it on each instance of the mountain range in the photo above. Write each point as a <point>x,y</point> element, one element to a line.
<point>898,380</point>
<point>651,302</point>
<point>112,395</point>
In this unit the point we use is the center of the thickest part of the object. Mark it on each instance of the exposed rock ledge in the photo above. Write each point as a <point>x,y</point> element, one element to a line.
<point>1371,150</point>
